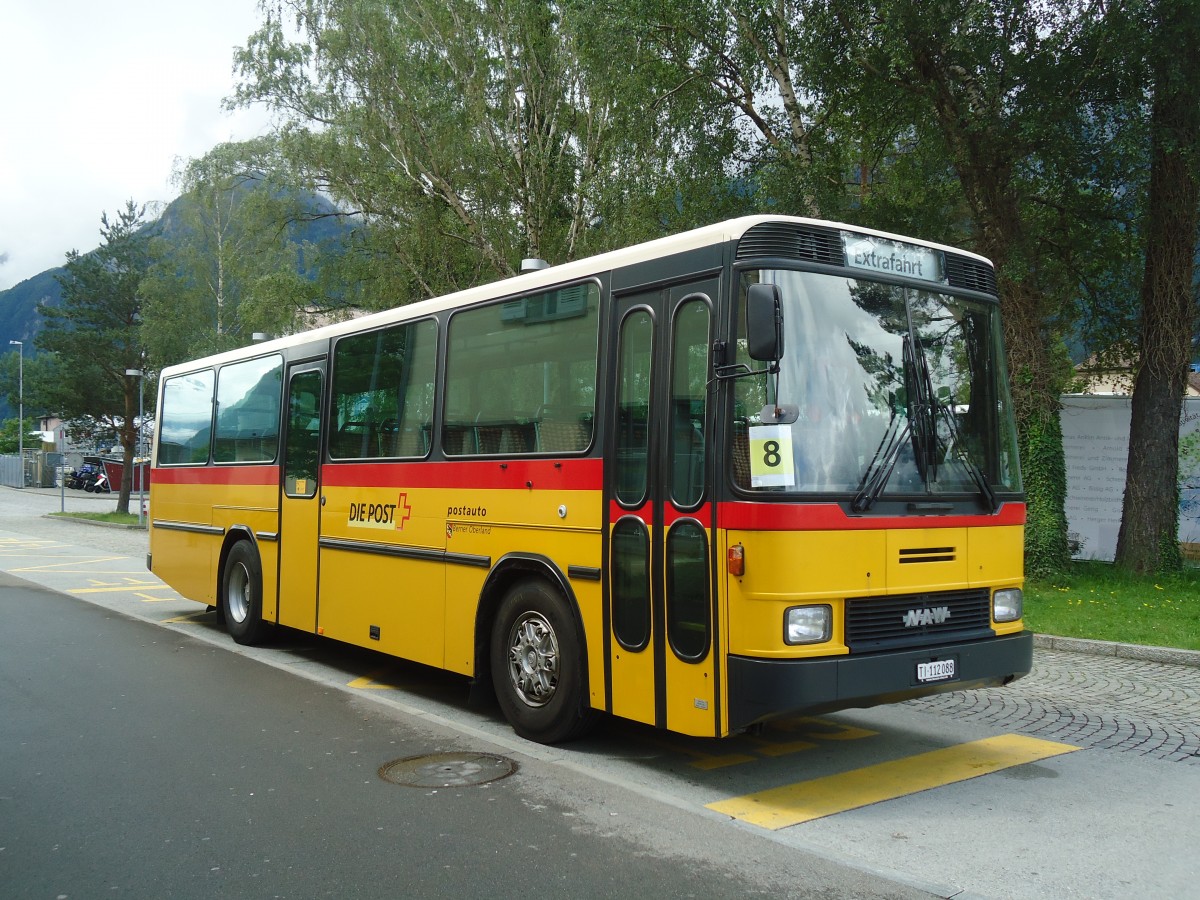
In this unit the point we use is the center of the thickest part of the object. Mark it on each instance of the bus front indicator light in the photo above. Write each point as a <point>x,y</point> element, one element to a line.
<point>1007,605</point>
<point>807,624</point>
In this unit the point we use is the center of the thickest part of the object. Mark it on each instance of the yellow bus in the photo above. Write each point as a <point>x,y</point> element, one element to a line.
<point>762,467</point>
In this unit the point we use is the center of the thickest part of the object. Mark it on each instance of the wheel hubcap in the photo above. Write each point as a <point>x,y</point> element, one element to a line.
<point>533,659</point>
<point>239,593</point>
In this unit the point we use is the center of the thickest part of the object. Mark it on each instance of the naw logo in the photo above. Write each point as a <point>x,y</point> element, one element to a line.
<point>936,615</point>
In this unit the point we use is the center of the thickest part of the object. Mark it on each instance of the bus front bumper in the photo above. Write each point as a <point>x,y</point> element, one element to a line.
<point>762,689</point>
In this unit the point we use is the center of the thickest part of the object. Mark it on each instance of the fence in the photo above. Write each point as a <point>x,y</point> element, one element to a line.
<point>39,469</point>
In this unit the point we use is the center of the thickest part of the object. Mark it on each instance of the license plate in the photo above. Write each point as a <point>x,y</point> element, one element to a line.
<point>940,670</point>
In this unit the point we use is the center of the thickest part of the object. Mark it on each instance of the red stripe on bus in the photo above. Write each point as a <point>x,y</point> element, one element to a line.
<point>703,515</point>
<point>671,515</point>
<point>525,474</point>
<point>831,517</point>
<point>216,475</point>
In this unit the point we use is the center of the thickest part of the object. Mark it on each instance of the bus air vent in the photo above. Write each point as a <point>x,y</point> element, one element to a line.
<point>788,241</point>
<point>971,274</point>
<point>926,555</point>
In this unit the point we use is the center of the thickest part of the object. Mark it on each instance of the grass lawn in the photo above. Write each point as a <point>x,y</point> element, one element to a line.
<point>1096,601</point>
<point>113,517</point>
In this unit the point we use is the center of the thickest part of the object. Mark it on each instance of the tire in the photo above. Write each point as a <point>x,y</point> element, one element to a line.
<point>538,665</point>
<point>241,595</point>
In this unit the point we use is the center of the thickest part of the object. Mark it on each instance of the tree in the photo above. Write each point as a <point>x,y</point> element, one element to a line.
<point>993,91</point>
<point>10,438</point>
<point>1148,540</point>
<point>96,332</point>
<point>956,121</point>
<point>225,264</point>
<point>35,374</point>
<point>739,76</point>
<point>467,134</point>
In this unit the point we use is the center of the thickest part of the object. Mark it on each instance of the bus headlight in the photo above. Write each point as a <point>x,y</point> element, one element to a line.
<point>807,624</point>
<point>1007,605</point>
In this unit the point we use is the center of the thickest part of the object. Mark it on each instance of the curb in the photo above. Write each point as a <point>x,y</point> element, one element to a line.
<point>1168,655</point>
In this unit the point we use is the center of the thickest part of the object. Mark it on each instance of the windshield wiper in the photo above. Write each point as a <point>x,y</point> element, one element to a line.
<point>960,450</point>
<point>922,408</point>
<point>882,464</point>
<point>925,439</point>
<point>914,427</point>
<point>920,426</point>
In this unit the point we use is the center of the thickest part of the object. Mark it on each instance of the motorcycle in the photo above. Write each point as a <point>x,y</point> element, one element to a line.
<point>100,485</point>
<point>79,479</point>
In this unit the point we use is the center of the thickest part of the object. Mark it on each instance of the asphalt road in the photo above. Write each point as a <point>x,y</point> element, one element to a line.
<point>1114,814</point>
<point>139,762</point>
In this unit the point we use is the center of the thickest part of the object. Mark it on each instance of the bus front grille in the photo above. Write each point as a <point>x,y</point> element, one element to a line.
<point>915,620</point>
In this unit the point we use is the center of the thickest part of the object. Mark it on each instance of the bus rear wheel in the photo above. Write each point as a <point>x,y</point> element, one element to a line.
<point>537,663</point>
<point>241,595</point>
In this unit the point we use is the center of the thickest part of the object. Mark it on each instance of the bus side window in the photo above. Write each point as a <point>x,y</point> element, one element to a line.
<point>186,426</point>
<point>633,407</point>
<point>383,392</point>
<point>521,375</point>
<point>304,433</point>
<point>689,393</point>
<point>248,398</point>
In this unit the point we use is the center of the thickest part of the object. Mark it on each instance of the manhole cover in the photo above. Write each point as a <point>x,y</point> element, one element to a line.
<point>447,769</point>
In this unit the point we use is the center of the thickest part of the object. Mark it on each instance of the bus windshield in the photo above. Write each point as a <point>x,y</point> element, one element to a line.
<point>884,391</point>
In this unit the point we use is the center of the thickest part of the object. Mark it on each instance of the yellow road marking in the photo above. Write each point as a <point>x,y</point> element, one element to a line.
<point>769,743</point>
<point>174,620</point>
<point>782,748</point>
<point>368,683</point>
<point>823,729</point>
<point>813,729</point>
<point>807,800</point>
<point>707,762</point>
<point>108,589</point>
<point>71,561</point>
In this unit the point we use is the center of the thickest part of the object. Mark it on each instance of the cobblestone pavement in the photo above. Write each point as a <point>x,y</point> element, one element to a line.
<point>1125,705</point>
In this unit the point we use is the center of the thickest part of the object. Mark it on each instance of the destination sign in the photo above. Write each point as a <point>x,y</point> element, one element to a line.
<point>887,257</point>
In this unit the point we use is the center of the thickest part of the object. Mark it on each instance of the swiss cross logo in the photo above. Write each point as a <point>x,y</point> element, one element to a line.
<point>404,511</point>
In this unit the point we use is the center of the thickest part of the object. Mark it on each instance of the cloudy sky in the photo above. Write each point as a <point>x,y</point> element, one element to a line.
<point>99,102</point>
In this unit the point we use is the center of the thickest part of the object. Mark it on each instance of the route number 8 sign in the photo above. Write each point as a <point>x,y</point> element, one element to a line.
<point>771,456</point>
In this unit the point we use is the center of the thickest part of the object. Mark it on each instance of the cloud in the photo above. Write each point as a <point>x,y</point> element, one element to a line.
<point>99,113</point>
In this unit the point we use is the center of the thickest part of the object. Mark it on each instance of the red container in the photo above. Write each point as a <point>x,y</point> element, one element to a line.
<point>114,467</point>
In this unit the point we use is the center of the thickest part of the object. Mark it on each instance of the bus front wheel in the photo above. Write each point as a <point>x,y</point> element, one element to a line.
<point>537,665</point>
<point>241,594</point>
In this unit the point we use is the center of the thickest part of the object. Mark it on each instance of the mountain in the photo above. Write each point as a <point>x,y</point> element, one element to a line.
<point>21,320</point>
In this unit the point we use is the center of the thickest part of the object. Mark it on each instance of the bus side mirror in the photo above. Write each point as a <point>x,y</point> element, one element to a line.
<point>764,322</point>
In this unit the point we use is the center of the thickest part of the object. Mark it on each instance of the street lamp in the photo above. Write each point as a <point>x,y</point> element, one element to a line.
<point>137,451</point>
<point>21,395</point>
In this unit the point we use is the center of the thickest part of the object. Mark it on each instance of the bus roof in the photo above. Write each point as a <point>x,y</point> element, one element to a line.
<point>547,278</point>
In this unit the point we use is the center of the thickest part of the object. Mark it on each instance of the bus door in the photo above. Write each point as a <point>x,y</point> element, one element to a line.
<point>662,636</point>
<point>300,501</point>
